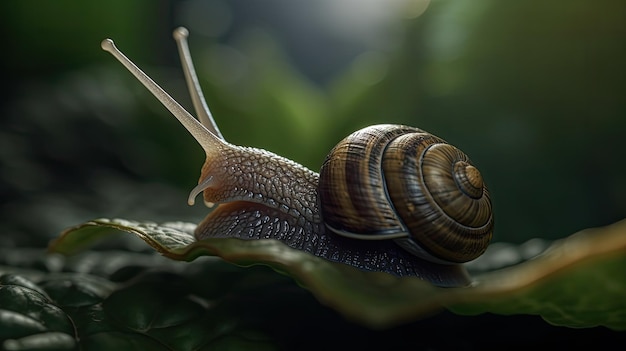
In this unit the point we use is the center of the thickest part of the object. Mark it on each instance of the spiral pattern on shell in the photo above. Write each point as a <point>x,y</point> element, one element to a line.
<point>402,183</point>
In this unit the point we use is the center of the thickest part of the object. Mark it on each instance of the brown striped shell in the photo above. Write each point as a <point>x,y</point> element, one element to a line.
<point>402,183</point>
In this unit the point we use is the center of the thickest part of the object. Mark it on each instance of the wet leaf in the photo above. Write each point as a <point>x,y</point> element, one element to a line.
<point>29,320</point>
<point>577,282</point>
<point>76,290</point>
<point>159,308</point>
<point>43,341</point>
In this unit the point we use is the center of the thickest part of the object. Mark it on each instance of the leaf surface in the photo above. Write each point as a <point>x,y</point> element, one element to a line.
<point>577,282</point>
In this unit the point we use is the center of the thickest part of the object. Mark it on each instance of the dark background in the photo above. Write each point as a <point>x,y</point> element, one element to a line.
<point>533,91</point>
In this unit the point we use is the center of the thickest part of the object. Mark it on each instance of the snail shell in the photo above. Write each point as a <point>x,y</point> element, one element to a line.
<point>382,182</point>
<point>402,183</point>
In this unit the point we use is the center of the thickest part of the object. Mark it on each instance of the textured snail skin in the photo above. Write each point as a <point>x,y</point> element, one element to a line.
<point>261,195</point>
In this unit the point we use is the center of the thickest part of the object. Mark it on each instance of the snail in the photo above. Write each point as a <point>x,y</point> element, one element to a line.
<point>388,198</point>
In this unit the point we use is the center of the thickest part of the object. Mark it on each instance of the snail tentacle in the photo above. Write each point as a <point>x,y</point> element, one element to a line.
<point>213,146</point>
<point>209,142</point>
<point>195,90</point>
<point>206,183</point>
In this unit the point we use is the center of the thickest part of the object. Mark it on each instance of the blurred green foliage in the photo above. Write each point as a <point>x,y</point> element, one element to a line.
<point>533,91</point>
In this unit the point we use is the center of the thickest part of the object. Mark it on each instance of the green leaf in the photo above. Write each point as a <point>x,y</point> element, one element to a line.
<point>168,306</point>
<point>578,281</point>
<point>70,290</point>
<point>43,341</point>
<point>28,318</point>
<point>18,325</point>
<point>116,340</point>
<point>167,313</point>
<point>157,310</point>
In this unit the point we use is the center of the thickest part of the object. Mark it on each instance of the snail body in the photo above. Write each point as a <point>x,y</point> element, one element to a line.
<point>388,198</point>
